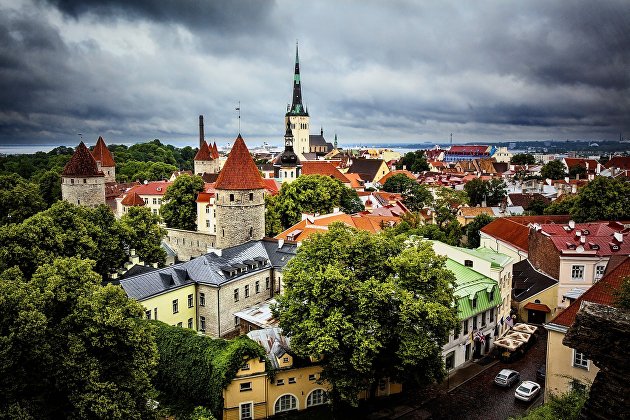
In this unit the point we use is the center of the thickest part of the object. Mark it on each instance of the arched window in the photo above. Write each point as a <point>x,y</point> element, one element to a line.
<point>286,402</point>
<point>317,397</point>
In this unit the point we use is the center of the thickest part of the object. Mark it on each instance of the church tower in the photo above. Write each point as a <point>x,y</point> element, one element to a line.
<point>297,115</point>
<point>207,158</point>
<point>104,160</point>
<point>82,182</point>
<point>287,167</point>
<point>239,199</point>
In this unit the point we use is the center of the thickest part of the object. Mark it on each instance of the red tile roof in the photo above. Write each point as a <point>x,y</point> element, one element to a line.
<point>537,307</point>
<point>591,164</point>
<point>132,199</point>
<point>102,154</point>
<point>515,230</point>
<point>204,197</point>
<point>468,150</point>
<point>408,174</point>
<point>240,171</point>
<point>204,152</point>
<point>599,238</point>
<point>151,188</point>
<point>619,162</point>
<point>214,150</point>
<point>321,167</point>
<point>82,163</point>
<point>271,185</point>
<point>601,292</point>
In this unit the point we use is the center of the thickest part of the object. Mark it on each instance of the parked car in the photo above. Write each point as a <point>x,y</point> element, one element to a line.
<point>527,391</point>
<point>507,378</point>
<point>541,373</point>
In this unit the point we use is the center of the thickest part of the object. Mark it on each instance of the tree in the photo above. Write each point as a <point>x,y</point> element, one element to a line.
<point>562,205</point>
<point>144,234</point>
<point>473,228</point>
<point>577,171</point>
<point>451,198</point>
<point>414,162</point>
<point>416,197</point>
<point>496,190</point>
<point>311,194</point>
<point>492,192</point>
<point>398,183</point>
<point>566,406</point>
<point>602,199</point>
<point>477,191</point>
<point>553,170</point>
<point>19,199</point>
<point>523,159</point>
<point>71,348</point>
<point>50,187</point>
<point>180,208</point>
<point>372,306</point>
<point>622,296</point>
<point>537,206</point>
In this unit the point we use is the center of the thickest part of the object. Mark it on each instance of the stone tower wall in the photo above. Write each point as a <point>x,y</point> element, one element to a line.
<point>109,171</point>
<point>300,125</point>
<point>206,166</point>
<point>238,215</point>
<point>84,191</point>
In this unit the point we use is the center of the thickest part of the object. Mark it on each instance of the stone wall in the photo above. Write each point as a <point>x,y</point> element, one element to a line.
<point>543,254</point>
<point>89,191</point>
<point>240,216</point>
<point>206,166</point>
<point>189,244</point>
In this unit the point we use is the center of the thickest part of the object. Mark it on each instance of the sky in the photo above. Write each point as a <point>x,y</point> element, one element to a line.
<point>371,71</point>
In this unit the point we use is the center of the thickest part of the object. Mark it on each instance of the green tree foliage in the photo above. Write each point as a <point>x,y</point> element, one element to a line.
<point>151,160</point>
<point>398,183</point>
<point>70,348</point>
<point>451,198</point>
<point>31,166</point>
<point>144,171</point>
<point>373,306</point>
<point>493,191</point>
<point>553,170</point>
<point>144,232</point>
<point>537,206</point>
<point>476,190</point>
<point>180,208</point>
<point>193,369</point>
<point>622,297</point>
<point>562,205</point>
<point>577,171</point>
<point>414,162</point>
<point>50,186</point>
<point>497,191</point>
<point>309,194</point>
<point>523,159</point>
<point>19,199</point>
<point>565,406</point>
<point>416,197</point>
<point>472,229</point>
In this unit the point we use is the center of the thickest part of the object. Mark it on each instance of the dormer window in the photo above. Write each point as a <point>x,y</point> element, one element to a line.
<point>468,263</point>
<point>474,302</point>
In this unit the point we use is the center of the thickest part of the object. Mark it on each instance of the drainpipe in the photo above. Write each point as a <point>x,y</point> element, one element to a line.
<point>219,312</point>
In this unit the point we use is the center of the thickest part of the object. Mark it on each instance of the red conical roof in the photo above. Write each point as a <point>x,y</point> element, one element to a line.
<point>102,154</point>
<point>215,151</point>
<point>240,171</point>
<point>204,152</point>
<point>132,199</point>
<point>81,163</point>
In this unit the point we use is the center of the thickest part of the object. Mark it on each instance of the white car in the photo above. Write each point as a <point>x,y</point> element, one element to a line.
<point>527,391</point>
<point>507,378</point>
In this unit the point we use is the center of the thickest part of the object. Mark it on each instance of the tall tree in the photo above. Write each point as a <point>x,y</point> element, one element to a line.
<point>50,186</point>
<point>553,170</point>
<point>496,190</point>
<point>523,159</point>
<point>144,234</point>
<point>477,191</point>
<point>562,205</point>
<point>451,198</point>
<point>577,171</point>
<point>416,197</point>
<point>71,348</point>
<point>414,162</point>
<point>398,183</point>
<point>473,228</point>
<point>371,306</point>
<point>180,208</point>
<point>602,199</point>
<point>19,199</point>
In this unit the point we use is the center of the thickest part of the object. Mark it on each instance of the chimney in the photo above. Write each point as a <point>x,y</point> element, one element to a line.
<point>201,136</point>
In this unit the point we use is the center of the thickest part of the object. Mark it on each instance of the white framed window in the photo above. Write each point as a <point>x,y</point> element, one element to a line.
<point>245,366</point>
<point>599,271</point>
<point>202,299</point>
<point>246,386</point>
<point>202,323</point>
<point>291,380</point>
<point>280,382</point>
<point>246,411</point>
<point>286,402</point>
<point>317,397</point>
<point>577,272</point>
<point>580,360</point>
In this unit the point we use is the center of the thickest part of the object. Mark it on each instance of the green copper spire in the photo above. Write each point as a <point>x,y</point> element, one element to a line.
<point>297,108</point>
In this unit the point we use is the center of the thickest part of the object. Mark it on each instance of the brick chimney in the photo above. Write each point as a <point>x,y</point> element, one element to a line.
<point>201,135</point>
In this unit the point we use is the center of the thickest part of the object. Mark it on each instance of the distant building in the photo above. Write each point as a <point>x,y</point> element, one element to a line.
<point>82,182</point>
<point>468,152</point>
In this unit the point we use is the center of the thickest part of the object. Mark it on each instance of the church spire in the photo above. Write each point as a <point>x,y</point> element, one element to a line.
<point>297,108</point>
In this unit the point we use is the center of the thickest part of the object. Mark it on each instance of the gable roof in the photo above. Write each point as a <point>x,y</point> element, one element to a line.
<point>204,152</point>
<point>214,151</point>
<point>240,171</point>
<point>471,212</point>
<point>368,168</point>
<point>619,162</point>
<point>527,281</point>
<point>151,188</point>
<point>82,163</point>
<point>132,199</point>
<point>525,200</point>
<point>601,292</point>
<point>102,154</point>
<point>595,238</point>
<point>515,231</point>
<point>468,285</point>
<point>322,167</point>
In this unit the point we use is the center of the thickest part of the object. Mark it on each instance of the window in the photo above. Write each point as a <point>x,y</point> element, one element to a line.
<point>235,295</point>
<point>84,181</point>
<point>483,319</point>
<point>190,325</point>
<point>148,314</point>
<point>155,211</point>
<point>245,366</point>
<point>491,295</point>
<point>175,306</point>
<point>449,361</point>
<point>285,360</point>
<point>492,315</point>
<point>286,403</point>
<point>311,377</point>
<point>190,301</point>
<point>202,322</point>
<point>599,272</point>
<point>247,291</point>
<point>202,299</point>
<point>154,200</point>
<point>280,382</point>
<point>580,360</point>
<point>251,196</point>
<point>474,322</point>
<point>231,197</point>
<point>466,327</point>
<point>72,180</point>
<point>236,320</point>
<point>455,333</point>
<point>246,386</point>
<point>291,380</point>
<point>207,223</point>
<point>207,210</point>
<point>267,283</point>
<point>257,287</point>
<point>154,313</point>
<point>468,263</point>
<point>317,397</point>
<point>474,302</point>
<point>246,411</point>
<point>179,324</point>
<point>577,272</point>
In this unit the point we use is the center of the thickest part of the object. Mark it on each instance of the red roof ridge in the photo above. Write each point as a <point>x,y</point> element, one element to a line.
<point>102,154</point>
<point>240,171</point>
<point>204,152</point>
<point>215,151</point>
<point>82,163</point>
<point>132,199</point>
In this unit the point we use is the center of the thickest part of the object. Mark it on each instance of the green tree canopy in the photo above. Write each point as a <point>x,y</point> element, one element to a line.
<point>416,197</point>
<point>414,162</point>
<point>451,198</point>
<point>373,306</point>
<point>472,229</point>
<point>180,208</point>
<point>562,205</point>
<point>70,348</point>
<point>553,170</point>
<point>477,191</point>
<point>523,159</point>
<point>398,183</point>
<point>50,186</point>
<point>577,171</point>
<point>493,191</point>
<point>309,194</point>
<point>602,199</point>
<point>145,234</point>
<point>19,199</point>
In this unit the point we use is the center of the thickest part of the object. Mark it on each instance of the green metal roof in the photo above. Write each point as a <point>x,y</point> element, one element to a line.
<point>469,285</point>
<point>495,258</point>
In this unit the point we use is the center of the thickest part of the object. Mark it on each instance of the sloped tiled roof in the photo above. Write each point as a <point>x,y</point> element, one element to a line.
<point>82,163</point>
<point>527,281</point>
<point>132,199</point>
<point>204,152</point>
<point>619,162</point>
<point>271,185</point>
<point>602,292</point>
<point>524,200</point>
<point>214,150</point>
<point>515,231</point>
<point>322,167</point>
<point>599,238</point>
<point>470,284</point>
<point>468,212</point>
<point>102,154</point>
<point>468,149</point>
<point>355,180</point>
<point>151,188</point>
<point>368,168</point>
<point>591,164</point>
<point>240,171</point>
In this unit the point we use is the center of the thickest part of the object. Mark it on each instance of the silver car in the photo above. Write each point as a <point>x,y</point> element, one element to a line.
<point>527,391</point>
<point>507,378</point>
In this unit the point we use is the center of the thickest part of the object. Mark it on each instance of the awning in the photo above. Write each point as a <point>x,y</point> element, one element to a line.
<point>537,307</point>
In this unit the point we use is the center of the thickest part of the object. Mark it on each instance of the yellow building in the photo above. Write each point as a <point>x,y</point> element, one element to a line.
<point>533,294</point>
<point>175,307</point>
<point>256,393</point>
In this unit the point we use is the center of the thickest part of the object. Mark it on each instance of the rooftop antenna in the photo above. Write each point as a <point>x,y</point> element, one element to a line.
<point>238,108</point>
